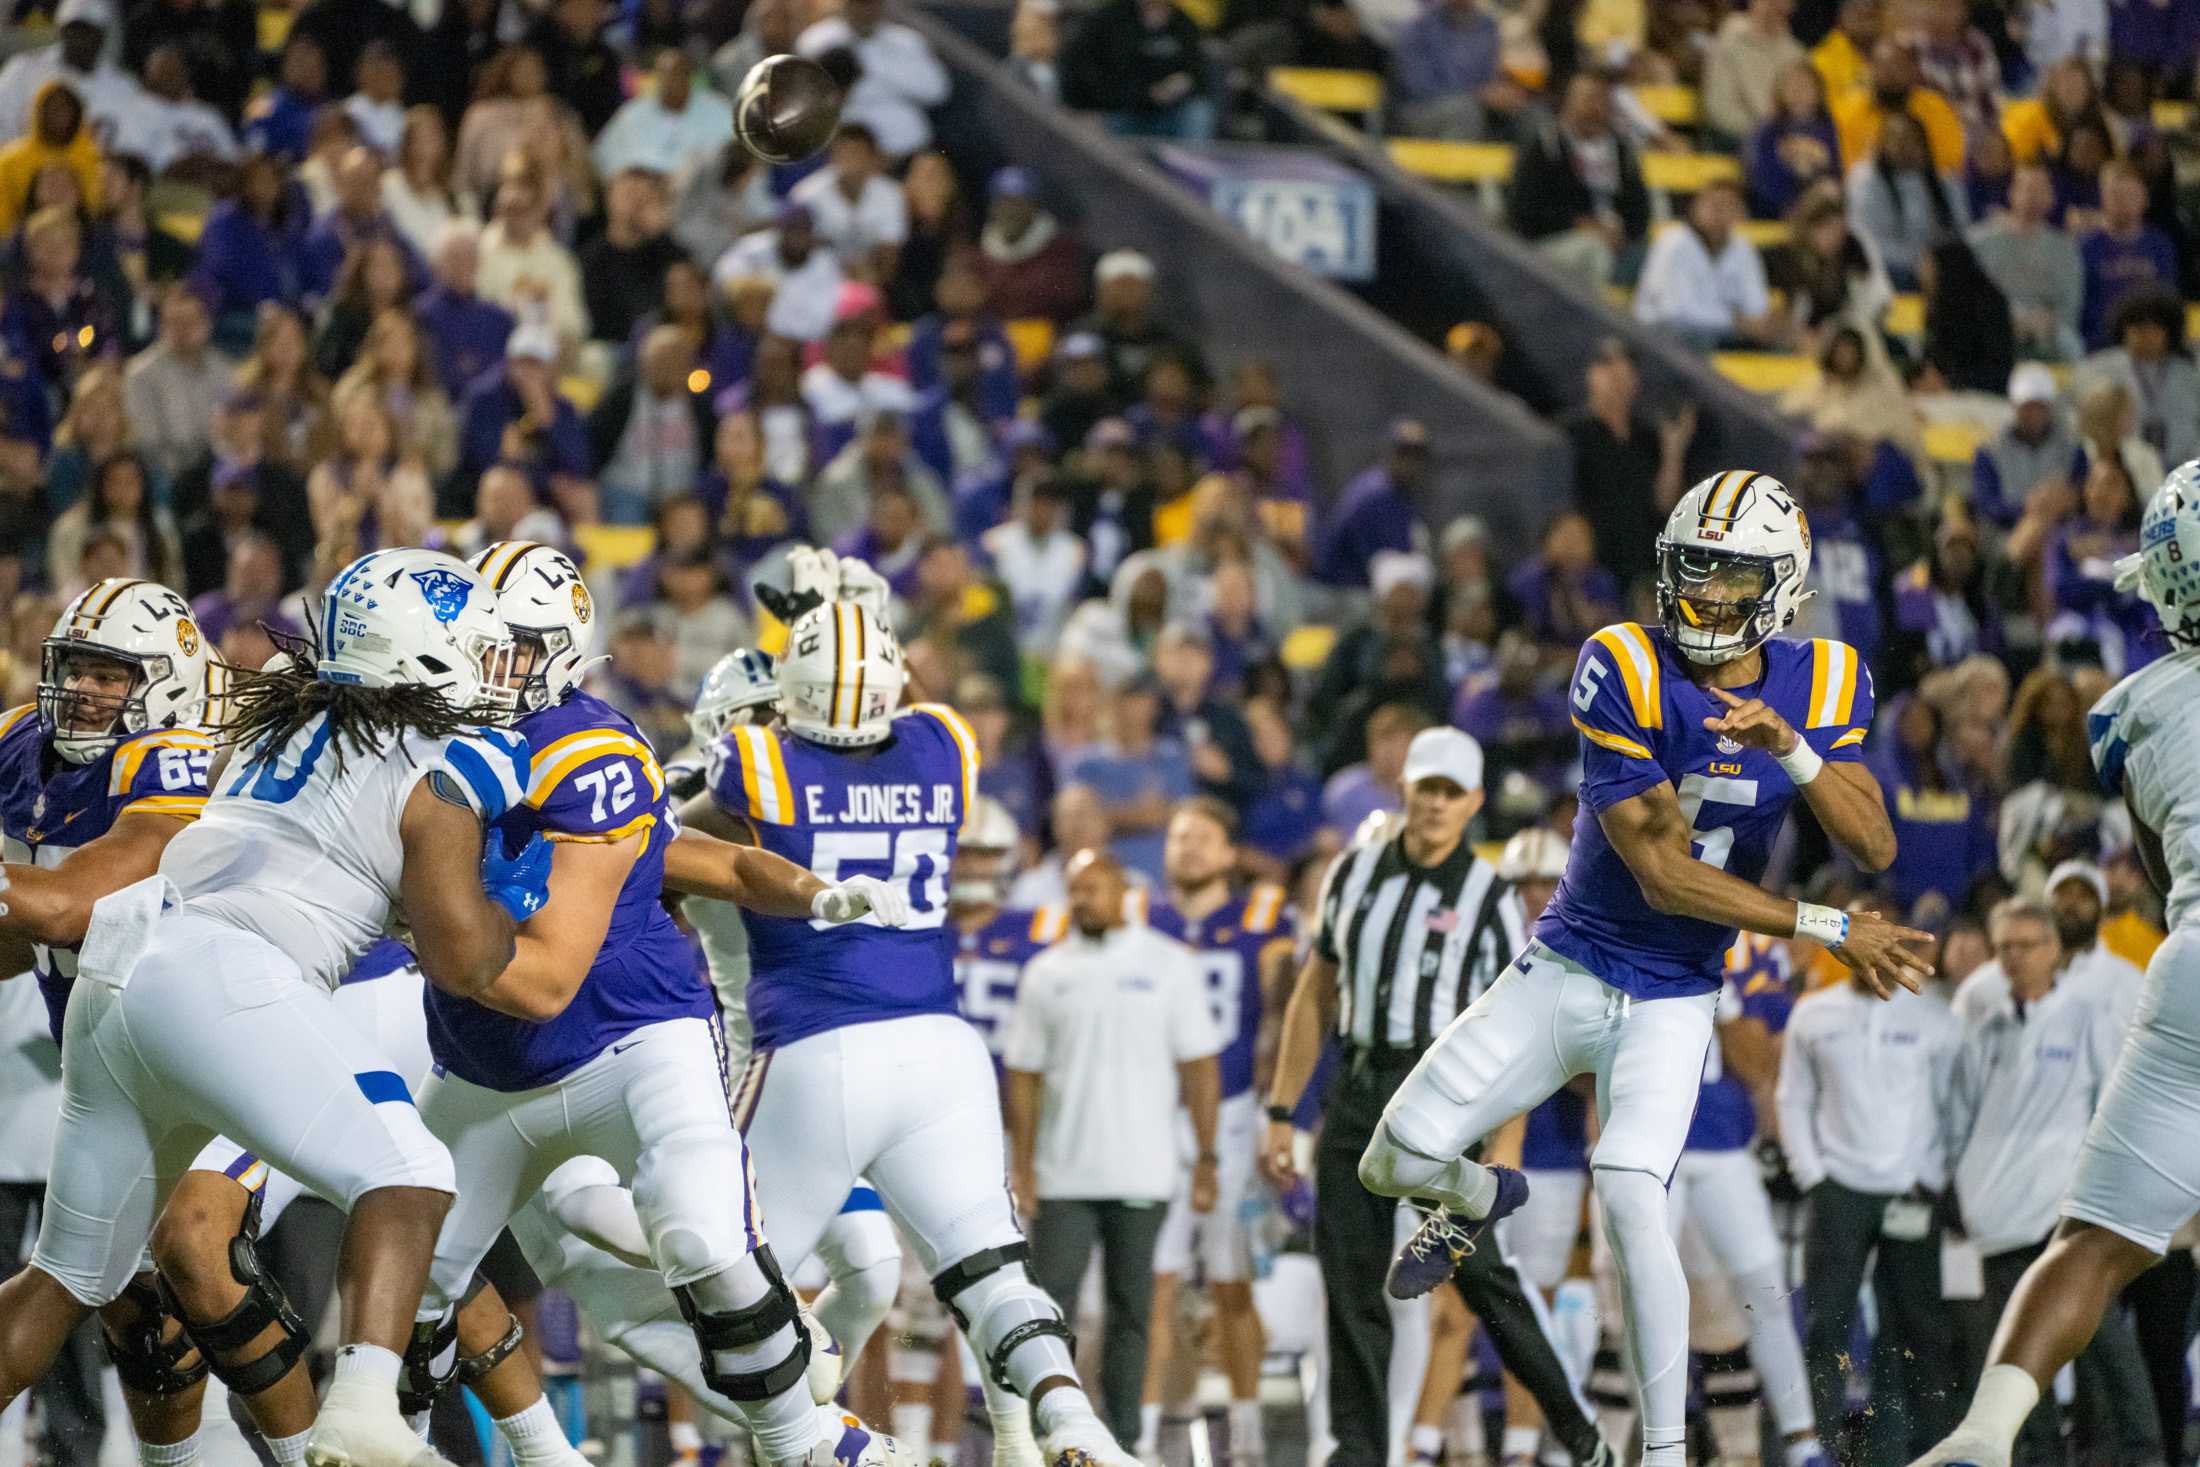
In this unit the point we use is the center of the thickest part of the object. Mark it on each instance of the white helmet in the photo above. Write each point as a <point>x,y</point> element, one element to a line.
<point>1731,565</point>
<point>841,676</point>
<point>989,833</point>
<point>418,618</point>
<point>143,624</point>
<point>541,597</point>
<point>1534,853</point>
<point>737,682</point>
<point>2166,569</point>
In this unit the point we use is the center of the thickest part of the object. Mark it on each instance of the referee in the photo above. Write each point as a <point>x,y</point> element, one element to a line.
<point>1413,927</point>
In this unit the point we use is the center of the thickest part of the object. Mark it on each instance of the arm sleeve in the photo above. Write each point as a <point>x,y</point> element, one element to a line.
<point>162,774</point>
<point>491,767</point>
<point>1796,1101</point>
<point>1614,693</point>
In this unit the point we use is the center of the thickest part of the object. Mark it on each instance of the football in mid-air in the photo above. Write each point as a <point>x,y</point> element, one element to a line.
<point>788,108</point>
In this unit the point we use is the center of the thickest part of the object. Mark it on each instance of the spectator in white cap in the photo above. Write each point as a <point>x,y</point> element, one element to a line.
<point>2076,895</point>
<point>518,416</point>
<point>1123,318</point>
<point>111,95</point>
<point>2035,448</point>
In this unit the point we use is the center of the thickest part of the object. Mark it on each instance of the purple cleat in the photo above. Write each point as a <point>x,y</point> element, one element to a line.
<point>1435,1252</point>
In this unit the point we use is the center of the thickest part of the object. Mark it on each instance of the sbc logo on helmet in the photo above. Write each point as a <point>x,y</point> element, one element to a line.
<point>187,636</point>
<point>583,608</point>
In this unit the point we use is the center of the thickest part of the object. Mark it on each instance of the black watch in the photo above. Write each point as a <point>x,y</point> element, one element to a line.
<point>1279,1112</point>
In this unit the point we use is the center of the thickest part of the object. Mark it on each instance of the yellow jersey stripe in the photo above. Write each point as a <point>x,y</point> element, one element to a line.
<point>131,756</point>
<point>1612,741</point>
<point>577,752</point>
<point>603,837</point>
<point>185,805</point>
<point>1638,669</point>
<point>1832,682</point>
<point>782,789</point>
<point>1846,655</point>
<point>15,716</point>
<point>745,752</point>
<point>1853,736</point>
<point>964,740</point>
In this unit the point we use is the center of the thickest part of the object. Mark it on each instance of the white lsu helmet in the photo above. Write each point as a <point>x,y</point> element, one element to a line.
<point>1731,565</point>
<point>143,624</point>
<point>742,680</point>
<point>2165,570</point>
<point>418,618</point>
<point>540,595</point>
<point>841,676</point>
<point>988,830</point>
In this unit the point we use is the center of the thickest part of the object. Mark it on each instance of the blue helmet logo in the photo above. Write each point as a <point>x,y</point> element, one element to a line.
<point>446,592</point>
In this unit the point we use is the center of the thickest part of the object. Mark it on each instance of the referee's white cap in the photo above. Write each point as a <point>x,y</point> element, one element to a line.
<point>1444,753</point>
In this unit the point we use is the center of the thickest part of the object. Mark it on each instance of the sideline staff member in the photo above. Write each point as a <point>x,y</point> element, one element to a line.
<point>1413,926</point>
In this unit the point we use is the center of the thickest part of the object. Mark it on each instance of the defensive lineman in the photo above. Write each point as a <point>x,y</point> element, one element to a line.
<point>202,1004</point>
<point>2138,1174</point>
<point>1696,738</point>
<point>862,1065</point>
<point>599,1038</point>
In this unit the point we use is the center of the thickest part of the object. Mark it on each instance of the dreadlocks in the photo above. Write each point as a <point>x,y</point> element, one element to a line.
<point>265,709</point>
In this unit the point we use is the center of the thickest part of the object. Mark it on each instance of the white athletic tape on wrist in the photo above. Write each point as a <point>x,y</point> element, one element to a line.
<point>1802,763</point>
<point>1826,926</point>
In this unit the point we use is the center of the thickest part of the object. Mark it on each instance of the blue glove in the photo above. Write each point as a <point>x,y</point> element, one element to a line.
<point>521,883</point>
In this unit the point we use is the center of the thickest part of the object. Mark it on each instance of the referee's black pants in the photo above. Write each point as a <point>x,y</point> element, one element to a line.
<point>1354,1233</point>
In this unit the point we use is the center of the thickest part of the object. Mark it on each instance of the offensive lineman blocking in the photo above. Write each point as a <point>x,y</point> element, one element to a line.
<point>1696,738</point>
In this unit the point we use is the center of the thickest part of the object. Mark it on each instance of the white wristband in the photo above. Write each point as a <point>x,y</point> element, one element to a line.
<point>1826,926</point>
<point>1802,762</point>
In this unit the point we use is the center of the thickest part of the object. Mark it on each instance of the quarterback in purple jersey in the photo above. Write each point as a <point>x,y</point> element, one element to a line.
<point>1241,938</point>
<point>863,1063</point>
<point>601,1039</point>
<point>1697,735</point>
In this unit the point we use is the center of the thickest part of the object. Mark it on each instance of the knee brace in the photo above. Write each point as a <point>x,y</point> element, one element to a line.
<point>144,1357</point>
<point>994,1300</point>
<point>264,1305</point>
<point>722,1330</point>
<point>432,1361</point>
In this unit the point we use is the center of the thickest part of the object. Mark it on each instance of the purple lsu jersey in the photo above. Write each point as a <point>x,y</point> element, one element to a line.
<point>1641,718</point>
<point>889,810</point>
<point>594,781</point>
<point>990,957</point>
<point>1757,973</point>
<point>49,808</point>
<point>1228,945</point>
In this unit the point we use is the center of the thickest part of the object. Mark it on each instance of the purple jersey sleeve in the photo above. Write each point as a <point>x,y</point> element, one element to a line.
<point>1617,703</point>
<point>600,785</point>
<point>162,773</point>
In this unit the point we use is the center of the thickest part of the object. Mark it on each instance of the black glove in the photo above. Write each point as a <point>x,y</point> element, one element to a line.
<point>1772,1165</point>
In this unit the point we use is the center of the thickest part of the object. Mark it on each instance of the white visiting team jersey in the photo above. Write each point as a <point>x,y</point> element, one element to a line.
<point>303,848</point>
<point>2141,734</point>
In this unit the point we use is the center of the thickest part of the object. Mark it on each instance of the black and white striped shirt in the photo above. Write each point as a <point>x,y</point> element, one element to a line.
<point>1413,945</point>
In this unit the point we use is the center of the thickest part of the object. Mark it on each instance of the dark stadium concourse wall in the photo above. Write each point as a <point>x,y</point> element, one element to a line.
<point>1348,370</point>
<point>1443,260</point>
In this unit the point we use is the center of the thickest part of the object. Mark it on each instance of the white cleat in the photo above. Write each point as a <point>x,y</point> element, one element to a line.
<point>355,1433</point>
<point>847,1442</point>
<point>1965,1449</point>
<point>1085,1444</point>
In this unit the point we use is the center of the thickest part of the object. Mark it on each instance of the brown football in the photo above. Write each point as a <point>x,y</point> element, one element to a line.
<point>789,107</point>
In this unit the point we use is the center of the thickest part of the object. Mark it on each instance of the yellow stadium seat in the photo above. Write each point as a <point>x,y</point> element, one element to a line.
<point>1906,316</point>
<point>1952,443</point>
<point>1306,648</point>
<point>1330,89</point>
<point>1032,339</point>
<point>1762,371</point>
<point>583,392</point>
<point>184,226</point>
<point>1447,162</point>
<point>1675,106</point>
<point>1684,173</point>
<point>1763,233</point>
<point>2173,116</point>
<point>614,547</point>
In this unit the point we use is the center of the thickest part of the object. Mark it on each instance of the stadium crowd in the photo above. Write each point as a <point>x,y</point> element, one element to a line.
<point>280,287</point>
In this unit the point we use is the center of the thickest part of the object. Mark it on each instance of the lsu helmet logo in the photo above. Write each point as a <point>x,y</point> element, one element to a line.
<point>446,593</point>
<point>583,608</point>
<point>187,636</point>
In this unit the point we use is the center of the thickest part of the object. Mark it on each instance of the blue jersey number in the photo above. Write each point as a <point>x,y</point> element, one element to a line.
<point>915,861</point>
<point>259,781</point>
<point>1697,790</point>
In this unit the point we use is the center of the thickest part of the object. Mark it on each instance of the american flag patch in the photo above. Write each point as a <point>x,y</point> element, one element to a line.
<point>1443,919</point>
